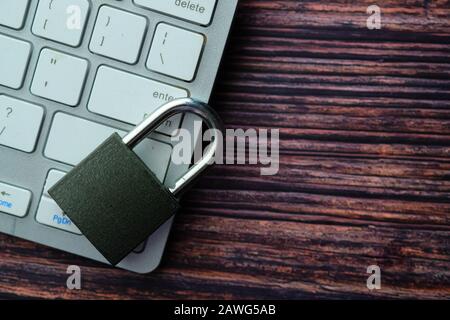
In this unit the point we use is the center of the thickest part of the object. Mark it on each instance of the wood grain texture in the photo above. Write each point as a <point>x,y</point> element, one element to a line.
<point>364,179</point>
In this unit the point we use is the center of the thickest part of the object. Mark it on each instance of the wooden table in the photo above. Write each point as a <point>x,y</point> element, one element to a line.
<point>364,118</point>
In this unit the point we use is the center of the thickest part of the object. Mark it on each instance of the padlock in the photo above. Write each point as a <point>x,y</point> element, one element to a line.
<point>114,198</point>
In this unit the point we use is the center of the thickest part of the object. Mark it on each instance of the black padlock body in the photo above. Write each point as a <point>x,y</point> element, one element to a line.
<point>114,199</point>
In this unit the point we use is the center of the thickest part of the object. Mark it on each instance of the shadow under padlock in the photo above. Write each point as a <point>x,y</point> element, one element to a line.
<point>114,198</point>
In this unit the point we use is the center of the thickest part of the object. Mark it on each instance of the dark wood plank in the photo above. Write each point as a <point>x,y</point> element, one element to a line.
<point>364,119</point>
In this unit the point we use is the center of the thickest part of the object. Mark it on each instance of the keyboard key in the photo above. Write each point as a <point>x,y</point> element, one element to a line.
<point>59,77</point>
<point>50,214</point>
<point>61,20</point>
<point>130,98</point>
<point>197,11</point>
<point>12,13</point>
<point>118,34</point>
<point>165,55</point>
<point>14,57</point>
<point>52,178</point>
<point>14,200</point>
<point>71,139</point>
<point>170,126</point>
<point>20,123</point>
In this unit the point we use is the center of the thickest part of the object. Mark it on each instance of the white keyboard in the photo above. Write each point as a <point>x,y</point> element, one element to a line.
<point>72,72</point>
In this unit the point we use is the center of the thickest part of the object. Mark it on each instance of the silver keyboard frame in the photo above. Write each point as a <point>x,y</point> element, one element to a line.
<point>29,170</point>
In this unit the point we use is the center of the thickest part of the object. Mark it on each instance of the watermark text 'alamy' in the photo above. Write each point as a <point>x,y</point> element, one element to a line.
<point>263,148</point>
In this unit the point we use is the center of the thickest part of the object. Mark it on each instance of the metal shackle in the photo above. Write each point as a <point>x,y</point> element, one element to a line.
<point>185,105</point>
